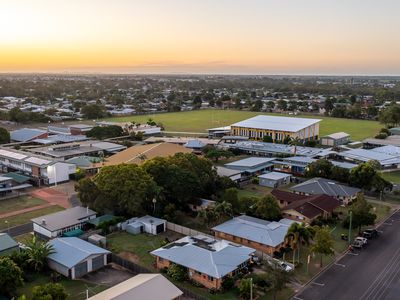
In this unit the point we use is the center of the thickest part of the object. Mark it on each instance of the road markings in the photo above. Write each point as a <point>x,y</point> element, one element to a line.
<point>390,224</point>
<point>340,265</point>
<point>351,253</point>
<point>297,298</point>
<point>317,283</point>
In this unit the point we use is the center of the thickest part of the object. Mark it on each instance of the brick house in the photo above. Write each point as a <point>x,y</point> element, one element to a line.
<point>208,261</point>
<point>262,235</point>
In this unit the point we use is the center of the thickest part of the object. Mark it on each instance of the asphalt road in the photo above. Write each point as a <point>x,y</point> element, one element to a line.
<point>371,273</point>
<point>20,229</point>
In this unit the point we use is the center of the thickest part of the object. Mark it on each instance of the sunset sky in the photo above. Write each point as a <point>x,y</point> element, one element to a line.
<point>201,36</point>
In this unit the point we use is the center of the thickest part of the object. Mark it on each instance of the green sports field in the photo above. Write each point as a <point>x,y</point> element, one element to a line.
<point>200,120</point>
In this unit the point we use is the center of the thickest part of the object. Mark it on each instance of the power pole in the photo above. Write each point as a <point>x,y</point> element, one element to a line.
<point>251,288</point>
<point>351,219</point>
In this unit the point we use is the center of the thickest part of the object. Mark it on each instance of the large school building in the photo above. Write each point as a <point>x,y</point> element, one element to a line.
<point>278,128</point>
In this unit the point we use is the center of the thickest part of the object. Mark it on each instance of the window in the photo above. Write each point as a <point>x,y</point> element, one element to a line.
<point>210,278</point>
<point>160,259</point>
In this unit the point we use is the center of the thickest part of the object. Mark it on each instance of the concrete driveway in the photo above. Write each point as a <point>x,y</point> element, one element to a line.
<point>109,275</point>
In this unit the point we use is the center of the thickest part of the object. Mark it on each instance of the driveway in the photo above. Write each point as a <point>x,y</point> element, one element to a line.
<point>369,274</point>
<point>109,275</point>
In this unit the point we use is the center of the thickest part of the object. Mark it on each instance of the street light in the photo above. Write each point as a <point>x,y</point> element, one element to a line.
<point>351,219</point>
<point>154,205</point>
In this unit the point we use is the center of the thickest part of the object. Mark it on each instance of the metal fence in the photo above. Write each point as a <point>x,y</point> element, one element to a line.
<point>185,230</point>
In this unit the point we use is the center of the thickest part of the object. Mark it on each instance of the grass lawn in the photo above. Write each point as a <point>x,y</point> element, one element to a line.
<point>26,217</point>
<point>254,190</point>
<point>13,204</point>
<point>200,120</point>
<point>139,245</point>
<point>75,288</point>
<point>392,176</point>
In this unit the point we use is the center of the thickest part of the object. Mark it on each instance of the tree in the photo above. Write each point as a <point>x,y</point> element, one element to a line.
<point>329,104</point>
<point>125,189</point>
<point>49,291</point>
<point>257,106</point>
<point>282,104</point>
<point>362,176</point>
<point>209,215</point>
<point>390,116</point>
<point>197,101</point>
<point>231,195</point>
<point>37,252</point>
<point>216,154</point>
<point>294,141</point>
<point>297,235</point>
<point>319,168</point>
<point>278,279</point>
<point>340,174</point>
<point>245,288</point>
<point>10,276</point>
<point>267,139</point>
<point>4,136</point>
<point>105,132</point>
<point>267,208</point>
<point>362,215</point>
<point>323,242</point>
<point>93,111</point>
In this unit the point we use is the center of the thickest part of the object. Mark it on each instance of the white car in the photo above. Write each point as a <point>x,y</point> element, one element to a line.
<point>364,241</point>
<point>285,266</point>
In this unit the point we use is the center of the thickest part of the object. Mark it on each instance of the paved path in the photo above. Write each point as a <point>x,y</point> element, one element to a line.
<point>25,210</point>
<point>372,273</point>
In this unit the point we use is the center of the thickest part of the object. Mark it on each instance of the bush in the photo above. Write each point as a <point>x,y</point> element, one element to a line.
<point>255,180</point>
<point>228,283</point>
<point>177,272</point>
<point>381,136</point>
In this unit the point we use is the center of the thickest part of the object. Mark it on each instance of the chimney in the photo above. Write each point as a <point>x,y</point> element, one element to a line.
<point>43,221</point>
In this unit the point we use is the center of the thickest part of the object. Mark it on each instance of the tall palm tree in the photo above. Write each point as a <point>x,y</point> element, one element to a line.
<point>37,253</point>
<point>295,142</point>
<point>297,235</point>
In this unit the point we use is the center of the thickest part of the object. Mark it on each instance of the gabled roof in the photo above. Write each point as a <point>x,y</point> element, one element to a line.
<point>257,230</point>
<point>274,175</point>
<point>337,135</point>
<point>25,134</point>
<point>6,242</point>
<point>142,286</point>
<point>64,218</point>
<point>277,123</point>
<point>215,258</point>
<point>317,186</point>
<point>70,251</point>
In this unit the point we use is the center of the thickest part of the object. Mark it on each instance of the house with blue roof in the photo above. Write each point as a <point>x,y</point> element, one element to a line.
<point>264,236</point>
<point>208,261</point>
<point>74,257</point>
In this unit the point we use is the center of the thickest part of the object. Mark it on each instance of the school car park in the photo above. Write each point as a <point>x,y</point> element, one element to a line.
<point>370,273</point>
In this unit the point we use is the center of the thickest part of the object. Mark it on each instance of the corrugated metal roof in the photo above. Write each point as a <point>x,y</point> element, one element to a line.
<point>25,134</point>
<point>6,242</point>
<point>251,162</point>
<point>277,123</point>
<point>366,155</point>
<point>338,135</point>
<point>70,251</point>
<point>209,256</point>
<point>257,230</point>
<point>274,175</point>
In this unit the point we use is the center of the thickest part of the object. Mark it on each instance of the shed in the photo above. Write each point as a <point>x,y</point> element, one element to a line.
<point>146,224</point>
<point>7,244</point>
<point>335,139</point>
<point>98,240</point>
<point>274,179</point>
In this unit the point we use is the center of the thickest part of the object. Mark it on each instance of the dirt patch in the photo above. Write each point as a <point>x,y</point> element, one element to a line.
<point>129,256</point>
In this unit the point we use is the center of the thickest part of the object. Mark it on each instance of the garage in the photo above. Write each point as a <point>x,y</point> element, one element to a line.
<point>160,228</point>
<point>97,262</point>
<point>81,269</point>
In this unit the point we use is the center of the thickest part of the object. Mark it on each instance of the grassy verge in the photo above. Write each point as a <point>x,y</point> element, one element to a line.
<point>392,176</point>
<point>201,120</point>
<point>19,203</point>
<point>26,217</point>
<point>75,288</point>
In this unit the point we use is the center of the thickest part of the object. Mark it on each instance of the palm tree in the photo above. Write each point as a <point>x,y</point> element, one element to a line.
<point>295,142</point>
<point>37,253</point>
<point>297,235</point>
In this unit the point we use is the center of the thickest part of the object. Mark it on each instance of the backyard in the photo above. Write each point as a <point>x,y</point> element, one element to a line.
<point>26,217</point>
<point>200,120</point>
<point>75,288</point>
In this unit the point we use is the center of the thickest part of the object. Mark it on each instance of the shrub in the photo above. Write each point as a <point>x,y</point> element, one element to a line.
<point>228,283</point>
<point>177,272</point>
<point>255,180</point>
<point>381,136</point>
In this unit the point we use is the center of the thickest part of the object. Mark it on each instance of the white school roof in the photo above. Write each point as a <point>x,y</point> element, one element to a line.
<point>277,123</point>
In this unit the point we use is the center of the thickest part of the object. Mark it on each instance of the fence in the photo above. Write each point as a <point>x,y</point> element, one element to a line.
<point>136,269</point>
<point>185,230</point>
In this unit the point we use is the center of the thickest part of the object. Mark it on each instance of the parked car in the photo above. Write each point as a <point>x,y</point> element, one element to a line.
<point>363,240</point>
<point>357,244</point>
<point>284,266</point>
<point>370,233</point>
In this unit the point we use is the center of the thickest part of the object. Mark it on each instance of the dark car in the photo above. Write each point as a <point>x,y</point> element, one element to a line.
<point>370,233</point>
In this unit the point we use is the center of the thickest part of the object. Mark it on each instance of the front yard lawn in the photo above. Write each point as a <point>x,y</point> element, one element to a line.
<point>18,203</point>
<point>137,248</point>
<point>26,217</point>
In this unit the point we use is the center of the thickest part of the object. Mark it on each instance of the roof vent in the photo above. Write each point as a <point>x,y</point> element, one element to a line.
<point>43,221</point>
